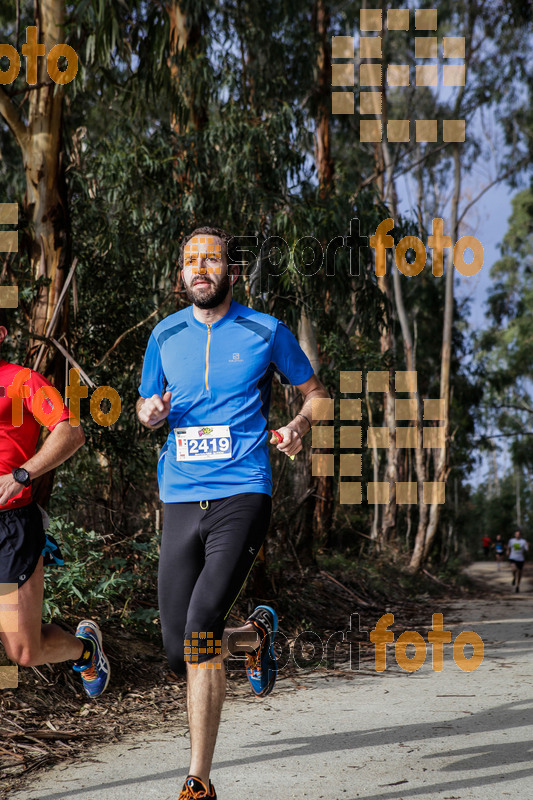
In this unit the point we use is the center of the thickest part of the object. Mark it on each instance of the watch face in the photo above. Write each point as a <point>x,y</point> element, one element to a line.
<point>21,475</point>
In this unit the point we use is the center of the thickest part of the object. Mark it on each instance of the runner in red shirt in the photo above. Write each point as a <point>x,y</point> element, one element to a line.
<point>27,401</point>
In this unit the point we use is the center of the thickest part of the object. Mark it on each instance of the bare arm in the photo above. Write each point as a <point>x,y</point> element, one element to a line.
<point>62,443</point>
<point>296,429</point>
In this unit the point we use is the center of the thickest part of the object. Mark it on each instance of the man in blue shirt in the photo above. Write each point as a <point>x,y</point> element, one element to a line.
<point>208,370</point>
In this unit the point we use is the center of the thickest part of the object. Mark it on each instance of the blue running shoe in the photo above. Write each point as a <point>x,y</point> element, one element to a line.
<point>261,666</point>
<point>94,670</point>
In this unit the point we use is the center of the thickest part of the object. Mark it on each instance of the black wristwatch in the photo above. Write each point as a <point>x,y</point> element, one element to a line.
<point>22,476</point>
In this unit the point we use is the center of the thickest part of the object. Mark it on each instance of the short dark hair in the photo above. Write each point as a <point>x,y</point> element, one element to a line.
<point>3,319</point>
<point>206,230</point>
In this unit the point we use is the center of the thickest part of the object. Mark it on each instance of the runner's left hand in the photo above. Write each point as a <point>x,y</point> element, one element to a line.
<point>291,443</point>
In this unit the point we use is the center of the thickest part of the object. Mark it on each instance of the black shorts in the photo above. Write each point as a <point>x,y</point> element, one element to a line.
<point>206,556</point>
<point>518,564</point>
<point>22,539</point>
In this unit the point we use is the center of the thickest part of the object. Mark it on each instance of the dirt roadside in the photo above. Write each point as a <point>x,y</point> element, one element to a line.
<point>392,735</point>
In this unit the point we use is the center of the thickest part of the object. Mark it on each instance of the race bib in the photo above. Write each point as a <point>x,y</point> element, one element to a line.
<point>203,444</point>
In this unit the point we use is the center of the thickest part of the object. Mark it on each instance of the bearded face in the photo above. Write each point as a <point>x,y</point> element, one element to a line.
<point>205,271</point>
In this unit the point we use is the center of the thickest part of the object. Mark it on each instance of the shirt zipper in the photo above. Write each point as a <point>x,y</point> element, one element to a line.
<point>207,356</point>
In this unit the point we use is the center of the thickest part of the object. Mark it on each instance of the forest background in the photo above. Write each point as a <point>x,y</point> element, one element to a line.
<point>190,113</point>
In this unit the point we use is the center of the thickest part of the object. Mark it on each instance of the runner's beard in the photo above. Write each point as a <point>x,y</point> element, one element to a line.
<point>210,297</point>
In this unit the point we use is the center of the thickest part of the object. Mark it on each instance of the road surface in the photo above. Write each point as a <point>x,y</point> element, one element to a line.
<point>361,735</point>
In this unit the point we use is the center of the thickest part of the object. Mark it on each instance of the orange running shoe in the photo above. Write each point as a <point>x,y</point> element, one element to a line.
<point>195,789</point>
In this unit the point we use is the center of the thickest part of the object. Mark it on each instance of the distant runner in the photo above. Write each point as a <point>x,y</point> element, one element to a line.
<point>486,542</point>
<point>23,542</point>
<point>499,549</point>
<point>517,549</point>
<point>208,369</point>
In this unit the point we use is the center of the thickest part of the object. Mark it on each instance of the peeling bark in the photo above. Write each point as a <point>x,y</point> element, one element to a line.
<point>184,36</point>
<point>324,162</point>
<point>40,141</point>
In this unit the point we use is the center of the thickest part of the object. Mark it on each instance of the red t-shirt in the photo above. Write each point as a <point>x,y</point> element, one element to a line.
<point>486,541</point>
<point>19,428</point>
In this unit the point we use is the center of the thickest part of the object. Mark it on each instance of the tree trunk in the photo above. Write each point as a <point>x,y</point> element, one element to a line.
<point>410,363</point>
<point>40,143</point>
<point>387,527</point>
<point>323,160</point>
<point>191,112</point>
<point>185,36</point>
<point>518,509</point>
<point>374,531</point>
<point>324,501</point>
<point>442,468</point>
<point>307,340</point>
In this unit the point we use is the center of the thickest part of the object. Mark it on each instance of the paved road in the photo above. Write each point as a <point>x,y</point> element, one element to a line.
<point>372,736</point>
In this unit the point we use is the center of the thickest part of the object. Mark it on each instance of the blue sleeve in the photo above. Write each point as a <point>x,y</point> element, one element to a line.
<point>290,360</point>
<point>153,378</point>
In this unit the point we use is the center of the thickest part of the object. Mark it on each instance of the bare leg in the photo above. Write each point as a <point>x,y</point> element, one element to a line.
<point>206,689</point>
<point>34,643</point>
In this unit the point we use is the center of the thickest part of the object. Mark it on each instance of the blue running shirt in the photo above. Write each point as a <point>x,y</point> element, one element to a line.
<point>220,375</point>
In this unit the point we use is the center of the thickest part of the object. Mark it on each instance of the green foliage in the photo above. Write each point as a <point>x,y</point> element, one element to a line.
<point>496,513</point>
<point>109,580</point>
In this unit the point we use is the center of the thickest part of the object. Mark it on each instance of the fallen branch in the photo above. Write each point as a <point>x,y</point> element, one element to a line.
<point>138,325</point>
<point>70,358</point>
<point>344,588</point>
<point>57,309</point>
<point>437,580</point>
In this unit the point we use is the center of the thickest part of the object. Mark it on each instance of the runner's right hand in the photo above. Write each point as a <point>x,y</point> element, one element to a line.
<point>155,409</point>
